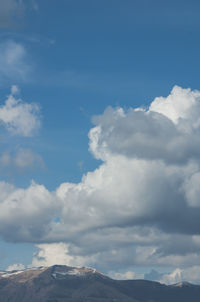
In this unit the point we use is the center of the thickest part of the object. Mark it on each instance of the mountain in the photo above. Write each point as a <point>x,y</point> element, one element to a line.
<point>61,283</point>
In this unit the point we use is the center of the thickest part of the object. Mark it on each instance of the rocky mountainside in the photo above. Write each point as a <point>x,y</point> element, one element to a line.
<point>61,283</point>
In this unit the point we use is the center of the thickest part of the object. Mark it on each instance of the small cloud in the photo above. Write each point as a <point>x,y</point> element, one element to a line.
<point>35,5</point>
<point>14,62</point>
<point>5,159</point>
<point>52,41</point>
<point>129,275</point>
<point>18,117</point>
<point>80,164</point>
<point>26,158</point>
<point>15,267</point>
<point>14,90</point>
<point>20,162</point>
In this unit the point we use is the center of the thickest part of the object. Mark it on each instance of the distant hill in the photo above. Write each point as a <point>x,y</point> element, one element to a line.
<point>61,283</point>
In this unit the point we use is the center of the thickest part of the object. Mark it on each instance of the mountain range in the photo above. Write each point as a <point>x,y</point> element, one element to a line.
<point>60,283</point>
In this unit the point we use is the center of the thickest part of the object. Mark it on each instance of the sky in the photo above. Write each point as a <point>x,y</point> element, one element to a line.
<point>100,136</point>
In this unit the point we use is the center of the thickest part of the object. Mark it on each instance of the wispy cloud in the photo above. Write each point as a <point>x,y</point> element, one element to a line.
<point>14,63</point>
<point>21,160</point>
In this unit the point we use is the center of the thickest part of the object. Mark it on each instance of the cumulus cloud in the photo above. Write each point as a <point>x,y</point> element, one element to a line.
<point>166,130</point>
<point>190,274</point>
<point>182,105</point>
<point>49,254</point>
<point>139,207</point>
<point>19,117</point>
<point>24,213</point>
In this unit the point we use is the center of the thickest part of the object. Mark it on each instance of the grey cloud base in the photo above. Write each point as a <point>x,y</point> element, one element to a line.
<point>140,207</point>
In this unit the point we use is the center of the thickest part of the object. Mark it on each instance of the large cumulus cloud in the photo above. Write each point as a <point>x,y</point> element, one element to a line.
<point>168,130</point>
<point>140,207</point>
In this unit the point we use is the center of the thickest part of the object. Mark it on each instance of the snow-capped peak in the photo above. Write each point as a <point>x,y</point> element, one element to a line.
<point>181,284</point>
<point>60,271</point>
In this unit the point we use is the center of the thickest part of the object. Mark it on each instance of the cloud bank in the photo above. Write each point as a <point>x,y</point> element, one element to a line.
<point>141,206</point>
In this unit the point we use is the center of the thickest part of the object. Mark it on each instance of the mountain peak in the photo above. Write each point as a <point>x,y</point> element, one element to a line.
<point>182,284</point>
<point>55,271</point>
<point>23,275</point>
<point>59,283</point>
<point>60,271</point>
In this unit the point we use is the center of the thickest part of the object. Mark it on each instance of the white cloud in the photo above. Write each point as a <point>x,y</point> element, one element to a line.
<point>55,253</point>
<point>129,275</point>
<point>168,130</point>
<point>35,5</point>
<point>19,117</point>
<point>5,159</point>
<point>192,189</point>
<point>191,274</point>
<point>140,207</point>
<point>180,105</point>
<point>6,189</point>
<point>14,62</point>
<point>15,267</point>
<point>22,159</point>
<point>26,158</point>
<point>26,213</point>
<point>14,89</point>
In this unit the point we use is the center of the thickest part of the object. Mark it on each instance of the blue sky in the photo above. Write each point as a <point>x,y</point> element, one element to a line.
<point>70,60</point>
<point>84,56</point>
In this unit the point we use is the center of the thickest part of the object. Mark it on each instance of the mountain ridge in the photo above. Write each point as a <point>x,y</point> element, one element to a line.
<point>61,283</point>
